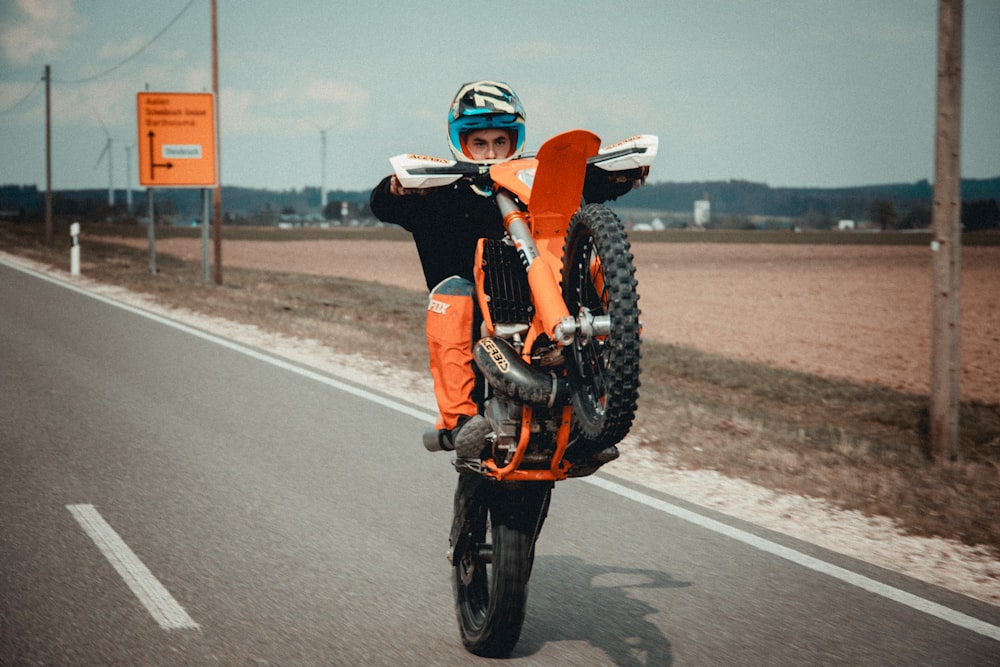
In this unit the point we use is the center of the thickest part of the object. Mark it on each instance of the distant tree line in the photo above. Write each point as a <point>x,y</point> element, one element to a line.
<point>734,203</point>
<point>240,205</point>
<point>894,206</point>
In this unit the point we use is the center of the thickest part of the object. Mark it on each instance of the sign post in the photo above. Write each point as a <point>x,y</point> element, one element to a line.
<point>176,145</point>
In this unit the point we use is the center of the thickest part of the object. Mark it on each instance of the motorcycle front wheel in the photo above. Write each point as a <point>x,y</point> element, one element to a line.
<point>599,282</point>
<point>492,561</point>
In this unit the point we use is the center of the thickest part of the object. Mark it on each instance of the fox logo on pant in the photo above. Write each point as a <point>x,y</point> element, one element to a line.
<point>439,307</point>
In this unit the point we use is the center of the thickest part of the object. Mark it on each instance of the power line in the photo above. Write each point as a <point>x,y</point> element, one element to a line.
<point>134,55</point>
<point>145,46</point>
<point>23,99</point>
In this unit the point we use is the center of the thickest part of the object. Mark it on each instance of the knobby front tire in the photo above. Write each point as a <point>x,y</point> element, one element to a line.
<point>598,275</point>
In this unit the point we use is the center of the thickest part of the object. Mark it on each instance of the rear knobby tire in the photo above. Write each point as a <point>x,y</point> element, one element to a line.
<point>598,274</point>
<point>493,564</point>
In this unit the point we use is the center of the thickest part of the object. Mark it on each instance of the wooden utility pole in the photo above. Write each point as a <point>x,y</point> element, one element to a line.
<point>217,191</point>
<point>48,156</point>
<point>946,246</point>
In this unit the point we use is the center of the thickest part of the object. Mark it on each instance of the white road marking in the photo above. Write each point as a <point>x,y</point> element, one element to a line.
<point>151,593</point>
<point>852,578</point>
<point>799,558</point>
<point>237,347</point>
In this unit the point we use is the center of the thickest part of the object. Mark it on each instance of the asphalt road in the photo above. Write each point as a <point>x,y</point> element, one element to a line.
<point>171,498</point>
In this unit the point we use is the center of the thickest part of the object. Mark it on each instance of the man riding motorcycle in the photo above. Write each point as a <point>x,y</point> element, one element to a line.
<point>486,125</point>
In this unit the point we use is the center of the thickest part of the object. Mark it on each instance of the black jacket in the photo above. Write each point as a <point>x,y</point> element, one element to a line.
<point>447,222</point>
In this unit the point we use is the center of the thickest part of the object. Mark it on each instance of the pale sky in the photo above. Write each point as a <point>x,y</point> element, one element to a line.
<point>792,93</point>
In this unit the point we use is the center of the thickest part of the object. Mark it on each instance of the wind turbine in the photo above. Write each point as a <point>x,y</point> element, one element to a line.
<point>322,159</point>
<point>107,151</point>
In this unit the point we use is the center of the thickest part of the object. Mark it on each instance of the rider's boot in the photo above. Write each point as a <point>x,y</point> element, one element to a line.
<point>467,439</point>
<point>470,437</point>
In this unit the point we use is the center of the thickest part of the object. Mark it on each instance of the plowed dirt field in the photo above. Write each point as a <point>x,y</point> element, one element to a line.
<point>845,311</point>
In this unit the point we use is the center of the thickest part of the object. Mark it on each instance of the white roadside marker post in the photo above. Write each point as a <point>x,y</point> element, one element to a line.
<point>74,251</point>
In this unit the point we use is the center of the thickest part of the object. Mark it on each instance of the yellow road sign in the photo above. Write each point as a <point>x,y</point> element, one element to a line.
<point>176,140</point>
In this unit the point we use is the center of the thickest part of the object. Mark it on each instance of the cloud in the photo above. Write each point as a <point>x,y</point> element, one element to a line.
<point>295,110</point>
<point>337,92</point>
<point>236,116</point>
<point>37,27</point>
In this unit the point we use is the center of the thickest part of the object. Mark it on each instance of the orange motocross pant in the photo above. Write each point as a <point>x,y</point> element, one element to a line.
<point>450,314</point>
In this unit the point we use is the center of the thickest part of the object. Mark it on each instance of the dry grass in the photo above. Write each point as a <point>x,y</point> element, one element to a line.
<point>862,447</point>
<point>859,446</point>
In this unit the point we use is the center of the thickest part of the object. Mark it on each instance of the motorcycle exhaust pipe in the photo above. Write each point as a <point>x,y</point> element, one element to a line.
<point>511,376</point>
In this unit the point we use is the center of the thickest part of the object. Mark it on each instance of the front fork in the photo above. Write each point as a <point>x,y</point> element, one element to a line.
<point>550,308</point>
<point>562,326</point>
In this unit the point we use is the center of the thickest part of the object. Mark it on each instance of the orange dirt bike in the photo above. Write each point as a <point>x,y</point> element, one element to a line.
<point>559,353</point>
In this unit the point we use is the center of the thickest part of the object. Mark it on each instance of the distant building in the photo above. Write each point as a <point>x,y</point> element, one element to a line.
<point>702,212</point>
<point>845,225</point>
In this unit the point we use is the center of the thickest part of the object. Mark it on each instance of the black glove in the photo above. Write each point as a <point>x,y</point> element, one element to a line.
<point>600,185</point>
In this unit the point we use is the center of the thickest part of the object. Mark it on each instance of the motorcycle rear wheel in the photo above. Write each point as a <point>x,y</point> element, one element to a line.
<point>493,565</point>
<point>599,277</point>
